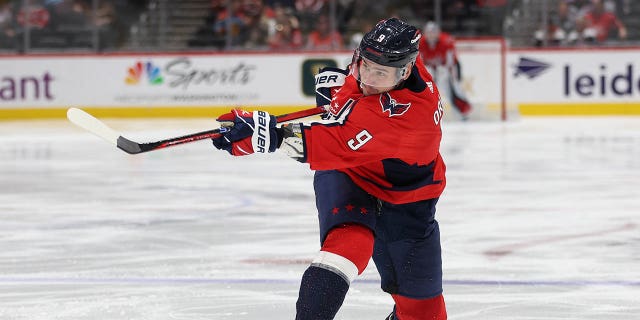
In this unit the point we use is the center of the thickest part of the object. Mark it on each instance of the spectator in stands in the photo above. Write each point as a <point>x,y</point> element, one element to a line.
<point>71,24</point>
<point>33,15</point>
<point>223,26</point>
<point>72,18</point>
<point>105,15</point>
<point>582,7</point>
<point>586,36</point>
<point>7,31</point>
<point>561,27</point>
<point>601,23</point>
<point>259,17</point>
<point>105,19</point>
<point>286,34</point>
<point>230,23</point>
<point>323,37</point>
<point>286,37</point>
<point>308,12</point>
<point>256,38</point>
<point>6,13</point>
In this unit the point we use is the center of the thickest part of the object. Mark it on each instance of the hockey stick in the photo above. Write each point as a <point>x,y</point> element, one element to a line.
<point>90,123</point>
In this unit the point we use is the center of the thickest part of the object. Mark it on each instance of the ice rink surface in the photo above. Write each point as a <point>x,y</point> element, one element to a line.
<point>540,220</point>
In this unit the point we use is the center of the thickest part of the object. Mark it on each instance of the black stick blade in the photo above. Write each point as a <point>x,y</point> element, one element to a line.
<point>128,146</point>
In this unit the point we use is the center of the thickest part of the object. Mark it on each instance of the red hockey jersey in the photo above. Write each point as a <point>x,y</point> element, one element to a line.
<point>387,143</point>
<point>442,54</point>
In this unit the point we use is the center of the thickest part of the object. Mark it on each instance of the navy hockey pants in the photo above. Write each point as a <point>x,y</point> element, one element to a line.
<point>406,251</point>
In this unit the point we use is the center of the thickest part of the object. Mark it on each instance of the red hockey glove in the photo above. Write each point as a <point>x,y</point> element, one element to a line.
<point>244,132</point>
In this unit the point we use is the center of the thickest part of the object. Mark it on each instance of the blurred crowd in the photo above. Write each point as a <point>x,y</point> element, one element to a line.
<point>280,25</point>
<point>580,22</point>
<point>65,23</point>
<point>274,25</point>
<point>324,24</point>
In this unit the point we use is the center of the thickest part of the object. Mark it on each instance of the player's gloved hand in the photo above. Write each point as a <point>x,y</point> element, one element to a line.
<point>328,80</point>
<point>244,133</point>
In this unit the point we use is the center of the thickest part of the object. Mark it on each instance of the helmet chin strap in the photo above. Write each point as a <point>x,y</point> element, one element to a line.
<point>406,69</point>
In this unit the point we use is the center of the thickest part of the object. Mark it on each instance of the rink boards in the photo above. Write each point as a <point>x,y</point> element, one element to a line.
<point>535,82</point>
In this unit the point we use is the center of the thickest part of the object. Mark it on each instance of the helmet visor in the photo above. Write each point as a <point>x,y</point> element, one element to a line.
<point>372,74</point>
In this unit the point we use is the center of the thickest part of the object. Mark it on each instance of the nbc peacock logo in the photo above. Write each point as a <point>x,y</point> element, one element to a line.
<point>136,73</point>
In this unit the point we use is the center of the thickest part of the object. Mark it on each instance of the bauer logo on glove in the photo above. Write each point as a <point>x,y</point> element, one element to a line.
<point>244,133</point>
<point>328,79</point>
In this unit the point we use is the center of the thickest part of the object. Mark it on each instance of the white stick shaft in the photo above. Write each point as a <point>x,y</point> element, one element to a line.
<point>93,125</point>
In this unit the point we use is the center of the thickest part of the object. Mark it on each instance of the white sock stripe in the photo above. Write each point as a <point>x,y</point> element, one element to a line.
<point>334,270</point>
<point>334,262</point>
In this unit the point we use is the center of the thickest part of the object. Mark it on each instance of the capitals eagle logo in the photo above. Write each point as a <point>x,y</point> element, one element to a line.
<point>391,105</point>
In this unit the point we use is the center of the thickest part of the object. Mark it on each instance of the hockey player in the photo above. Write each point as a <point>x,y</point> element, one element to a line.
<point>378,176</point>
<point>438,52</point>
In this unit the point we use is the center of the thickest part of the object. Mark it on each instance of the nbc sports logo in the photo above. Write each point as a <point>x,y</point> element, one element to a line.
<point>136,72</point>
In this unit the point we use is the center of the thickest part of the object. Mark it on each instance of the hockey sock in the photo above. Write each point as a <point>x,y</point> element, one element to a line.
<point>351,241</point>
<point>345,253</point>
<point>321,294</point>
<point>420,309</point>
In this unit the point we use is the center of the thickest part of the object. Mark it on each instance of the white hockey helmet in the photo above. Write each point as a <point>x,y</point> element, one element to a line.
<point>431,33</point>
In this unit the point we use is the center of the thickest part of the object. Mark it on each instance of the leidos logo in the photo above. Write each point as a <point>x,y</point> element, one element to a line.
<point>136,72</point>
<point>618,81</point>
<point>605,82</point>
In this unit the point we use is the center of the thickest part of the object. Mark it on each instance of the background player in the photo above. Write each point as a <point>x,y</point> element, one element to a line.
<point>438,52</point>
<point>378,175</point>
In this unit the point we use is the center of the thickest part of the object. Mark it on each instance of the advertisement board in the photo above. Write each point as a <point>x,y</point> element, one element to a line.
<point>579,81</point>
<point>576,81</point>
<point>174,83</point>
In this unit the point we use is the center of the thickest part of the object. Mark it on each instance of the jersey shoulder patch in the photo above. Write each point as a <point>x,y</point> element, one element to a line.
<point>392,106</point>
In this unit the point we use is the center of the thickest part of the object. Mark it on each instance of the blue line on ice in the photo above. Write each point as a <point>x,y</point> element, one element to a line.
<point>178,281</point>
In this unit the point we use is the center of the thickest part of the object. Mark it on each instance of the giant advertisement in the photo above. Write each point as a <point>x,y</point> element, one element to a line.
<point>155,80</point>
<point>588,81</point>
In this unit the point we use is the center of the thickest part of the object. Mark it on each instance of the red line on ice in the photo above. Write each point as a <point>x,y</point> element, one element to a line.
<point>505,250</point>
